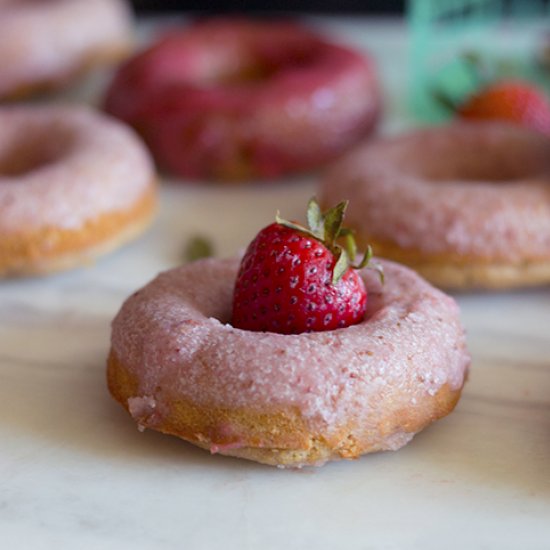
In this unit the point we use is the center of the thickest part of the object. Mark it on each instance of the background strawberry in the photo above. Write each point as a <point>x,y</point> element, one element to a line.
<point>294,279</point>
<point>515,101</point>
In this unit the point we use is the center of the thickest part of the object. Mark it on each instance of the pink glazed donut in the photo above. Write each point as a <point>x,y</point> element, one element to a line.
<point>240,99</point>
<point>467,205</point>
<point>44,44</point>
<point>178,366</point>
<point>73,184</point>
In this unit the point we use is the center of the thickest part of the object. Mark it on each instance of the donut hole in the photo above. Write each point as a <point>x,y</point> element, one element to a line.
<point>253,55</point>
<point>472,158</point>
<point>32,151</point>
<point>248,74</point>
<point>224,312</point>
<point>264,66</point>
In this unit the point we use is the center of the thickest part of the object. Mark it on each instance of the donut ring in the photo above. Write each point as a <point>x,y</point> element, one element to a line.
<point>178,367</point>
<point>73,184</point>
<point>466,205</point>
<point>44,45</point>
<point>246,99</point>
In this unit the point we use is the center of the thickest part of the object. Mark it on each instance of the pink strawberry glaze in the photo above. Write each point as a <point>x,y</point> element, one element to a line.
<point>43,41</point>
<point>64,166</point>
<point>174,337</point>
<point>479,189</point>
<point>190,96</point>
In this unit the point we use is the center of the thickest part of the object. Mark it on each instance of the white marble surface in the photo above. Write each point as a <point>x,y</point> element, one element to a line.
<point>75,472</point>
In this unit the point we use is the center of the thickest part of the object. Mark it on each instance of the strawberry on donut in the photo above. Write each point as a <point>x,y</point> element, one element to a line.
<point>282,359</point>
<point>295,279</point>
<point>242,99</point>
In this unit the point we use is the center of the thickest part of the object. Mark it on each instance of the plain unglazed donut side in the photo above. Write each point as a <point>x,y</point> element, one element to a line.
<point>26,255</point>
<point>74,184</point>
<point>179,368</point>
<point>466,205</point>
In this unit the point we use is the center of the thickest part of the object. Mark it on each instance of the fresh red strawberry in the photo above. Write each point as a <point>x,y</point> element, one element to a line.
<point>514,101</point>
<point>294,279</point>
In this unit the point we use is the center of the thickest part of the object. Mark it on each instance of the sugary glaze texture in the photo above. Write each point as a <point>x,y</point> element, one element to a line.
<point>43,44</point>
<point>237,99</point>
<point>70,179</point>
<point>177,366</point>
<point>466,204</point>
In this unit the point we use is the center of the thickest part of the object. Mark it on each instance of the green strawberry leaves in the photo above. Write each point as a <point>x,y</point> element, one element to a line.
<point>327,227</point>
<point>315,219</point>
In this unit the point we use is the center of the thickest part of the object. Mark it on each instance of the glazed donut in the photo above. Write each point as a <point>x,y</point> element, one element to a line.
<point>43,45</point>
<point>467,205</point>
<point>73,184</point>
<point>246,99</point>
<point>178,367</point>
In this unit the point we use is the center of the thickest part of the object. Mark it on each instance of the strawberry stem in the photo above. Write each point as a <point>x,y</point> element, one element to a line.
<point>327,227</point>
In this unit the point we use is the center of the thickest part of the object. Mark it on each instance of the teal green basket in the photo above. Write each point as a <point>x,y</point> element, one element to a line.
<point>506,35</point>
